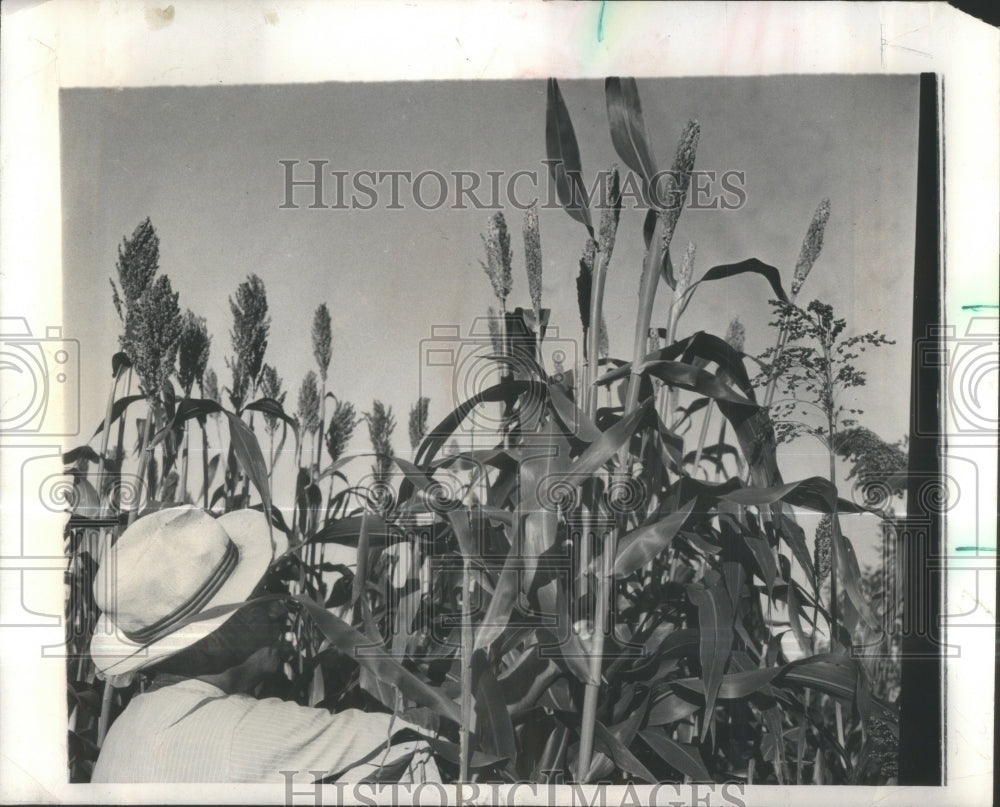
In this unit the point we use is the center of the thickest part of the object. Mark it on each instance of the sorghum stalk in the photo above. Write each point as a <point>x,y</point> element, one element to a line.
<point>468,647</point>
<point>209,388</point>
<point>606,244</point>
<point>147,435</point>
<point>673,317</point>
<point>105,439</point>
<point>120,442</point>
<point>659,245</point>
<point>584,297</point>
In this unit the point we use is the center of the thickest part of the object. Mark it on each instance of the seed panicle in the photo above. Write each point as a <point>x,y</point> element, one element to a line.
<point>498,257</point>
<point>811,246</point>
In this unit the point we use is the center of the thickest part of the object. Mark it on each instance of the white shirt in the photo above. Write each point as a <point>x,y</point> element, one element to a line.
<point>192,731</point>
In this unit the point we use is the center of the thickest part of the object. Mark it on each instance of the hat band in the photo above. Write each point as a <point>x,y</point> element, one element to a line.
<point>211,586</point>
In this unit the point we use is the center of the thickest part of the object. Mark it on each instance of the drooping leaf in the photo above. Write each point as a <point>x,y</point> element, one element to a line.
<point>714,453</point>
<point>687,411</point>
<point>814,493</point>
<point>754,265</point>
<point>642,544</point>
<point>117,410</point>
<point>507,390</point>
<point>685,376</point>
<point>564,157</point>
<point>269,406</point>
<point>682,757</point>
<point>187,409</point>
<point>119,362</point>
<point>74,455</point>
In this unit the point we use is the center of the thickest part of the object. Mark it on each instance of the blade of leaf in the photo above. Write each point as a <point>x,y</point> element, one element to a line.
<point>623,758</point>
<point>270,406</point>
<point>564,157</point>
<point>502,603</point>
<point>715,624</point>
<point>606,446</point>
<point>642,544</point>
<point>249,455</point>
<point>118,409</point>
<point>628,129</point>
<point>493,726</point>
<point>354,645</point>
<point>753,265</point>
<point>683,758</point>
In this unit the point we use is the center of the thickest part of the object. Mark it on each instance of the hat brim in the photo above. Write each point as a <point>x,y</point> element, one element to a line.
<point>114,654</point>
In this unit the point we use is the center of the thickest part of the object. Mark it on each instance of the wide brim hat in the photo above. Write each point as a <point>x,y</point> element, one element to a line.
<point>252,546</point>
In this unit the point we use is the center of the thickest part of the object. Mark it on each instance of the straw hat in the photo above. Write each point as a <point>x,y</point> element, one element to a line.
<point>167,568</point>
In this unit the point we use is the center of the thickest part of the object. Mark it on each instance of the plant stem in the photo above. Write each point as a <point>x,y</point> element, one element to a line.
<point>182,484</point>
<point>143,463</point>
<point>647,296</point>
<point>593,688</point>
<point>204,460</point>
<point>106,437</point>
<point>468,644</point>
<point>594,341</point>
<point>318,447</point>
<point>119,450</point>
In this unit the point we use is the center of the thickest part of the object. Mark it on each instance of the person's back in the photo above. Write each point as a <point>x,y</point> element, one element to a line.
<point>192,731</point>
<point>177,608</point>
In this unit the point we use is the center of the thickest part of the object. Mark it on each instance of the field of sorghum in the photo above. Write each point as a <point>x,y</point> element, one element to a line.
<point>611,591</point>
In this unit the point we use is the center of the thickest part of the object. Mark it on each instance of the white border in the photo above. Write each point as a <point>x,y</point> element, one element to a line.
<point>70,44</point>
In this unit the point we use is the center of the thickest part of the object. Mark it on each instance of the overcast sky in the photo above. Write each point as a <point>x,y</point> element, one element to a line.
<point>203,164</point>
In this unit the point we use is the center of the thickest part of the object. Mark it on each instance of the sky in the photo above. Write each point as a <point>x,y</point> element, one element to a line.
<point>204,164</point>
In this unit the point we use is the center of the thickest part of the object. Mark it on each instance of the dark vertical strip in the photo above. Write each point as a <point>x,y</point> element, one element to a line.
<point>922,692</point>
